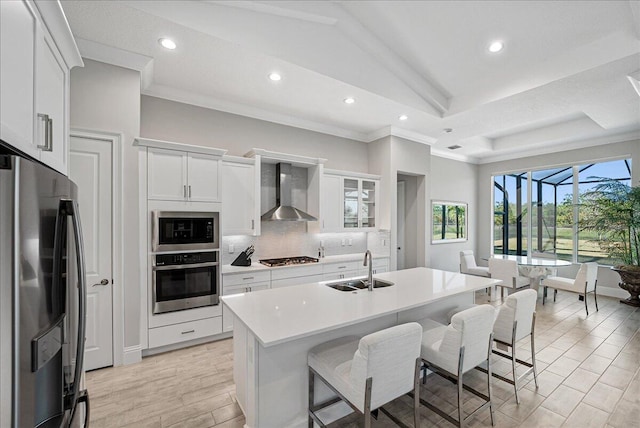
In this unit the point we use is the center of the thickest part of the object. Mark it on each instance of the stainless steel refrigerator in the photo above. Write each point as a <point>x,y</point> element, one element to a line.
<point>42,297</point>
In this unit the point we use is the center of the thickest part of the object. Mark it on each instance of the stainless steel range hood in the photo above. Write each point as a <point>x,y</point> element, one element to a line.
<point>283,211</point>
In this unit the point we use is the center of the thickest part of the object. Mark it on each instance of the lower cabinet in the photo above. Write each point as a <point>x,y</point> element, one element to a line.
<point>227,316</point>
<point>176,333</point>
<point>284,277</point>
<point>379,266</point>
<point>335,271</point>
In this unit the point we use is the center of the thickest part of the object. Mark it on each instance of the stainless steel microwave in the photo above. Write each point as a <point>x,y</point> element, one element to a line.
<point>184,231</point>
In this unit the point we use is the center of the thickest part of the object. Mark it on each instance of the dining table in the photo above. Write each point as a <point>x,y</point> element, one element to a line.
<point>533,267</point>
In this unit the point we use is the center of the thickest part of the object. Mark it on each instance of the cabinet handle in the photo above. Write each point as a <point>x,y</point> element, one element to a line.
<point>189,191</point>
<point>249,277</point>
<point>188,332</point>
<point>50,134</point>
<point>47,133</point>
<point>184,191</point>
<point>252,224</point>
<point>342,267</point>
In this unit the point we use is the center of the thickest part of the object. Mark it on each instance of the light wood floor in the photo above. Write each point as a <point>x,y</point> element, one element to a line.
<point>588,376</point>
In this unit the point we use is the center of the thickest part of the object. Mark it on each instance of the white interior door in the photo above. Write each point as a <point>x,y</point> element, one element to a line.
<point>90,168</point>
<point>400,226</point>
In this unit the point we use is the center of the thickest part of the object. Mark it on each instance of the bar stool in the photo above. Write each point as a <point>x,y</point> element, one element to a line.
<point>516,320</point>
<point>451,351</point>
<point>369,372</point>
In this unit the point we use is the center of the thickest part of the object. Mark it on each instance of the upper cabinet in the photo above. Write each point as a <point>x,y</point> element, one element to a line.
<point>240,207</point>
<point>349,201</point>
<point>37,52</point>
<point>180,172</point>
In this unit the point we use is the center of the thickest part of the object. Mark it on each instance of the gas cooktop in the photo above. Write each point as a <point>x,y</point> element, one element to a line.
<point>285,261</point>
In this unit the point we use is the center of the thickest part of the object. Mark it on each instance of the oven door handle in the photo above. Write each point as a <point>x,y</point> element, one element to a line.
<point>183,267</point>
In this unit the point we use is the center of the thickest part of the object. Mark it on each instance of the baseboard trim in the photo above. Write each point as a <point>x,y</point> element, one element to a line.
<point>186,344</point>
<point>132,355</point>
<point>612,292</point>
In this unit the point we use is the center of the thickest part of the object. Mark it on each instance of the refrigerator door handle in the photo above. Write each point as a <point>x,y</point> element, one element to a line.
<point>71,208</point>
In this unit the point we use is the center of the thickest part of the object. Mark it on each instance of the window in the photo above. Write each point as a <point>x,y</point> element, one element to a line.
<point>549,224</point>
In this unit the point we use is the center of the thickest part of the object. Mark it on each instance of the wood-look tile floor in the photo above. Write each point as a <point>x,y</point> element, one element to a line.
<point>588,376</point>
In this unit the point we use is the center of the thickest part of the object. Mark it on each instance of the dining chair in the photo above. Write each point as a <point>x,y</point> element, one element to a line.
<point>584,283</point>
<point>507,271</point>
<point>516,320</point>
<point>468,264</point>
<point>369,372</point>
<point>452,350</point>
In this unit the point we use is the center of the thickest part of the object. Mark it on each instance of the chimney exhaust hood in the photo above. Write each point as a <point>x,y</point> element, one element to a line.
<point>283,211</point>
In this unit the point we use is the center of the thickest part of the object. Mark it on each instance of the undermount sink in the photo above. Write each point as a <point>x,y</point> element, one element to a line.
<point>357,284</point>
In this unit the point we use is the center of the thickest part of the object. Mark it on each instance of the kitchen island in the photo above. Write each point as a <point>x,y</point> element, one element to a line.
<point>274,329</point>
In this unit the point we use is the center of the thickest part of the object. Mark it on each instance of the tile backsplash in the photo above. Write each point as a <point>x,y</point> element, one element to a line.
<point>290,238</point>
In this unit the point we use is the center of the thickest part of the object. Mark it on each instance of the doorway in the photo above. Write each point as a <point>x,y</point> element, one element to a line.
<point>408,230</point>
<point>92,162</point>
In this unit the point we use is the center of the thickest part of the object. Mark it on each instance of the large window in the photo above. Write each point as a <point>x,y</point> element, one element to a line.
<point>553,211</point>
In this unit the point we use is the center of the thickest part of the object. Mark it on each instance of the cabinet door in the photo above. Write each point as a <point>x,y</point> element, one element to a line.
<point>339,275</point>
<point>350,193</point>
<point>167,174</point>
<point>227,316</point>
<point>202,181</point>
<point>18,32</point>
<point>331,204</point>
<point>368,204</point>
<point>238,199</point>
<point>51,104</point>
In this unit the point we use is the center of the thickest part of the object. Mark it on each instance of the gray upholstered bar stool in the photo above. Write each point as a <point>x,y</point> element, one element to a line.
<point>451,351</point>
<point>369,372</point>
<point>516,320</point>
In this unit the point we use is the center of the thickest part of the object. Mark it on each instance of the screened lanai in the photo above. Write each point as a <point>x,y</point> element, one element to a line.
<point>552,228</point>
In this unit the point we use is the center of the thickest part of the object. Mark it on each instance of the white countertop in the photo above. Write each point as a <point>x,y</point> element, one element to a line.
<point>280,315</point>
<point>256,266</point>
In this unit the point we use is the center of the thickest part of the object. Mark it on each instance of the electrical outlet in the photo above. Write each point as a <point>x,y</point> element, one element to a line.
<point>232,248</point>
<point>350,241</point>
<point>343,242</point>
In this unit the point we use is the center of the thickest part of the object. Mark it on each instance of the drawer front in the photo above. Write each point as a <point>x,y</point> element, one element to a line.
<point>245,288</point>
<point>293,272</point>
<point>177,333</point>
<point>246,278</point>
<point>380,269</point>
<point>341,267</point>
<point>340,275</point>
<point>296,281</point>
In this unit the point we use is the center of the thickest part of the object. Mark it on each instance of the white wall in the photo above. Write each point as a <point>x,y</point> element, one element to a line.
<point>567,158</point>
<point>457,182</point>
<point>173,121</point>
<point>107,98</point>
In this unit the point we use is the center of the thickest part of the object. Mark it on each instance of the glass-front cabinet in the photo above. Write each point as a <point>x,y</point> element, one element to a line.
<point>349,202</point>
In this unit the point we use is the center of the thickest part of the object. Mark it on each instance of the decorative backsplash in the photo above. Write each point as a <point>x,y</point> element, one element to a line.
<point>290,238</point>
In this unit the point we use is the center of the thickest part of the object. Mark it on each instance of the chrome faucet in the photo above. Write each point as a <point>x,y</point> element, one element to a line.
<point>370,277</point>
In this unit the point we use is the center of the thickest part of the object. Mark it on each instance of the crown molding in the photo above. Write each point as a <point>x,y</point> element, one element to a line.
<point>56,22</point>
<point>399,132</point>
<point>448,154</point>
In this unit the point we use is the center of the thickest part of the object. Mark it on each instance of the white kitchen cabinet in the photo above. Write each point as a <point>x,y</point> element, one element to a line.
<point>37,50</point>
<point>242,283</point>
<point>379,266</point>
<point>334,271</point>
<point>52,87</point>
<point>182,176</point>
<point>176,333</point>
<point>239,204</point>
<point>331,203</point>
<point>349,202</point>
<point>18,31</point>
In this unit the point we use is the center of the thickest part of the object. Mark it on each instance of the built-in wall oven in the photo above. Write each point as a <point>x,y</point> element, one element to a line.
<point>185,231</point>
<point>186,266</point>
<point>185,281</point>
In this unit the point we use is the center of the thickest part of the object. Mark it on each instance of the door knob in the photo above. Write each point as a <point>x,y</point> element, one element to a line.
<point>105,281</point>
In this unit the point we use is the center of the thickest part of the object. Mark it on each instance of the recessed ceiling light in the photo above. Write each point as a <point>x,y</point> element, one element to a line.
<point>167,43</point>
<point>275,77</point>
<point>403,117</point>
<point>496,46</point>
<point>349,100</point>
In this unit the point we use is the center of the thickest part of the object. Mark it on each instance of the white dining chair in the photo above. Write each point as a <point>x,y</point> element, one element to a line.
<point>369,372</point>
<point>468,264</point>
<point>516,320</point>
<point>507,271</point>
<point>584,283</point>
<point>451,351</point>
